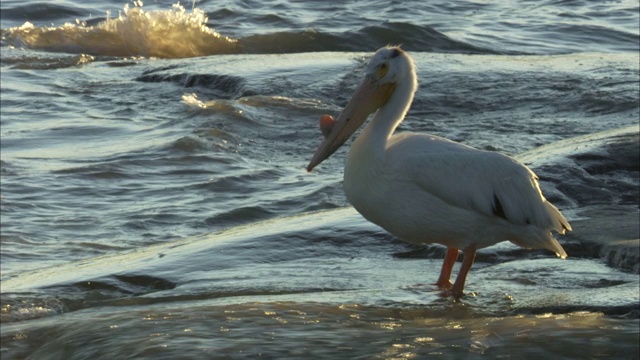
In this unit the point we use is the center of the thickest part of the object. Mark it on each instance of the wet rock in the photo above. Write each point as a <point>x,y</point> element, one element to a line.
<point>596,177</point>
<point>608,234</point>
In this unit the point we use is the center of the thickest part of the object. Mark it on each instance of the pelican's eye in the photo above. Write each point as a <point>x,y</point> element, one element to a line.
<point>382,70</point>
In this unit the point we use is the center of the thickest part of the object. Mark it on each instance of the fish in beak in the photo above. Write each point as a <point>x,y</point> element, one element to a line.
<point>369,97</point>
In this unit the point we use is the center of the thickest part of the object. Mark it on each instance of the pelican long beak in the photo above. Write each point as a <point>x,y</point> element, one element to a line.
<point>369,97</point>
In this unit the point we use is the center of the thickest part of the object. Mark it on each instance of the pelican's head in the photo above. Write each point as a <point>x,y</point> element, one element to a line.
<point>387,68</point>
<point>391,64</point>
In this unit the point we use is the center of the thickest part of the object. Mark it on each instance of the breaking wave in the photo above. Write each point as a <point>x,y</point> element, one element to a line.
<point>175,33</point>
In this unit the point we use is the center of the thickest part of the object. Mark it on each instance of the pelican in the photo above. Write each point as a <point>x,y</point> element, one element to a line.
<point>426,189</point>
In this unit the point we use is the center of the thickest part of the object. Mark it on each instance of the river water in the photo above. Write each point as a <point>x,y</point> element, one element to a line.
<point>155,203</point>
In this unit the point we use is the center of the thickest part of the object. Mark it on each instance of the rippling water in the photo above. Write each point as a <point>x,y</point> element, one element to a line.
<point>153,183</point>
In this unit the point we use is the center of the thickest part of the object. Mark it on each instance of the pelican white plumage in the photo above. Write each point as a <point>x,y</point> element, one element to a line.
<point>426,189</point>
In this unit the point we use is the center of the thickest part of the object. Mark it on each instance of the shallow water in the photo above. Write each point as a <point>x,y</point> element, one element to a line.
<point>300,330</point>
<point>323,285</point>
<point>135,183</point>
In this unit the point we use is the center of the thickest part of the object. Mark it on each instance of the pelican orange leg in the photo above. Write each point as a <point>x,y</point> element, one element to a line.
<point>469,257</point>
<point>450,258</point>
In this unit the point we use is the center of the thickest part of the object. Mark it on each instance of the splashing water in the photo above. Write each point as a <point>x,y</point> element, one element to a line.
<point>174,33</point>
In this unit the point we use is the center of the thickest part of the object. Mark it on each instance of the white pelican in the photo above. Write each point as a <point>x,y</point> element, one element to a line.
<point>426,189</point>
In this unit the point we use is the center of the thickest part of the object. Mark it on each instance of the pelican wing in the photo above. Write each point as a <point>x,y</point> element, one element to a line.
<point>487,182</point>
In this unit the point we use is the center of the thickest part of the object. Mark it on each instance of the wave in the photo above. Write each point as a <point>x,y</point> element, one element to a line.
<point>411,37</point>
<point>222,86</point>
<point>47,62</point>
<point>42,11</point>
<point>162,34</point>
<point>178,33</point>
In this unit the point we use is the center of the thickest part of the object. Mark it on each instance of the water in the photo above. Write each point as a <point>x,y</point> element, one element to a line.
<point>155,202</point>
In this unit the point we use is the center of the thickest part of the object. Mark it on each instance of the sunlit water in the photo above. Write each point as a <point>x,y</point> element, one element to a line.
<point>143,149</point>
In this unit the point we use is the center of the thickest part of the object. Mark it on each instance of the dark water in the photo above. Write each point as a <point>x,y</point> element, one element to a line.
<point>155,203</point>
<point>523,27</point>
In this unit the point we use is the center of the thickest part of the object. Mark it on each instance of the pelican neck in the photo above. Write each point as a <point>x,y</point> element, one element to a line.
<point>373,139</point>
